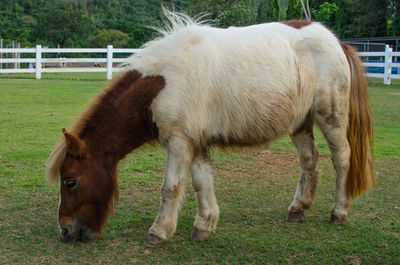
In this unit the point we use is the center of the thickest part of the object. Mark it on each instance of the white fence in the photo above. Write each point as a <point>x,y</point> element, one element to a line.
<point>387,64</point>
<point>39,61</point>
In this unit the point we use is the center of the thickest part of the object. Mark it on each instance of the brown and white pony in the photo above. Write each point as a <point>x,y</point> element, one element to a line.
<point>200,86</point>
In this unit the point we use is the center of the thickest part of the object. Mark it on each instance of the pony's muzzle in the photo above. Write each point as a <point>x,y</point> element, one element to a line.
<point>64,231</point>
<point>78,233</point>
<point>66,234</point>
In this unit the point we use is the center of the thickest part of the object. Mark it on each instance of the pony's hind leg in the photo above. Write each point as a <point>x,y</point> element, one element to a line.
<point>208,211</point>
<point>180,154</point>
<point>333,124</point>
<point>307,152</point>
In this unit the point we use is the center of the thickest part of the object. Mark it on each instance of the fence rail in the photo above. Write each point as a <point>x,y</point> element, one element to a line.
<point>39,61</point>
<point>387,64</point>
<point>106,64</point>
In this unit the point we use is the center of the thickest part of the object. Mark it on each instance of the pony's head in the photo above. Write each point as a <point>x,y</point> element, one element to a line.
<point>86,159</point>
<point>88,188</point>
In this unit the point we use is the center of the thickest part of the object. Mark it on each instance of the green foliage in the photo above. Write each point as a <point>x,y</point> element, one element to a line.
<point>109,37</point>
<point>11,22</point>
<point>60,23</point>
<point>236,15</point>
<point>269,10</point>
<point>395,25</point>
<point>362,18</point>
<point>325,11</point>
<point>77,23</point>
<point>394,18</point>
<point>274,11</point>
<point>294,10</point>
<point>210,7</point>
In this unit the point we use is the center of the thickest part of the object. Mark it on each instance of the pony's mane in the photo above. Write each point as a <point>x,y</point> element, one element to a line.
<point>173,24</point>
<point>55,160</point>
<point>175,21</point>
<point>57,156</point>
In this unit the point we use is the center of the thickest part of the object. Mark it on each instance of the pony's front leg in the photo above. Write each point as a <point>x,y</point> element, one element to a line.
<point>208,211</point>
<point>180,154</point>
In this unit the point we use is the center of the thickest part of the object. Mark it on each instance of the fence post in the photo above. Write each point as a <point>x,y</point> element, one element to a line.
<point>109,61</point>
<point>13,54</point>
<point>1,54</point>
<point>19,55</point>
<point>388,65</point>
<point>38,61</point>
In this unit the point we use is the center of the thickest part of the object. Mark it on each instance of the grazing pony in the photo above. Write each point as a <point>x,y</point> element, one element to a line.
<point>198,86</point>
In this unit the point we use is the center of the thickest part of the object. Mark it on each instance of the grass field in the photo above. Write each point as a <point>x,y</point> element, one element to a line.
<point>253,187</point>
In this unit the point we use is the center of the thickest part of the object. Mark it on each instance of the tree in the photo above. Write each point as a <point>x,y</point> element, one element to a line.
<point>395,25</point>
<point>109,37</point>
<point>12,25</point>
<point>269,10</point>
<point>294,10</point>
<point>363,18</point>
<point>72,23</point>
<point>211,7</point>
<point>236,15</point>
<point>394,18</point>
<point>325,13</point>
<point>62,23</point>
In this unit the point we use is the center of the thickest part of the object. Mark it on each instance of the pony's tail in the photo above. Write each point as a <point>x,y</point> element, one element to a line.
<point>361,174</point>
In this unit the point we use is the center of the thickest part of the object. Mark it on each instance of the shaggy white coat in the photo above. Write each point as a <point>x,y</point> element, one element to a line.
<point>240,85</point>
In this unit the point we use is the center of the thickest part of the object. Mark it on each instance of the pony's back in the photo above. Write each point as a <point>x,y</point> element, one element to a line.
<point>234,86</point>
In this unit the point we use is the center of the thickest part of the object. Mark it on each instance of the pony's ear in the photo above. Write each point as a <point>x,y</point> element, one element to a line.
<point>75,146</point>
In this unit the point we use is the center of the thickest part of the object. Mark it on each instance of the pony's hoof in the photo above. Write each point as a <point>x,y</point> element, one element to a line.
<point>153,241</point>
<point>338,220</point>
<point>295,216</point>
<point>199,234</point>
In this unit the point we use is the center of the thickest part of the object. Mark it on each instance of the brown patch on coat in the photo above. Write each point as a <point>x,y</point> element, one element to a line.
<point>176,189</point>
<point>333,103</point>
<point>103,102</point>
<point>209,218</point>
<point>118,121</point>
<point>315,177</point>
<point>300,88</point>
<point>121,118</point>
<point>297,24</point>
<point>332,121</point>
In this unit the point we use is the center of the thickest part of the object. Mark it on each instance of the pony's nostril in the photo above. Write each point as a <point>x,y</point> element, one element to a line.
<point>64,231</point>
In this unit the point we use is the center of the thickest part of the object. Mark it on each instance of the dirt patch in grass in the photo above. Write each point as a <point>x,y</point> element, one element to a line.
<point>272,157</point>
<point>353,260</point>
<point>269,164</point>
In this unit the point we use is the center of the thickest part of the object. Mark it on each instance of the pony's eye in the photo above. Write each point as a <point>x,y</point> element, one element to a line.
<point>70,184</point>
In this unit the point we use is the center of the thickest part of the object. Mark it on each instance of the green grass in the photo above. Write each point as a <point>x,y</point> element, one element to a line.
<point>253,187</point>
<point>58,76</point>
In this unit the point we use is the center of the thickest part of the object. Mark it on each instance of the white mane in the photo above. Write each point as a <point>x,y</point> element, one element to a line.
<point>176,21</point>
<point>175,24</point>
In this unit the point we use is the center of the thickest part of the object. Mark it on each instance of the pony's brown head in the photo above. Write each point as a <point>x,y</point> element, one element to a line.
<point>88,188</point>
<point>85,160</point>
